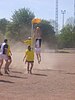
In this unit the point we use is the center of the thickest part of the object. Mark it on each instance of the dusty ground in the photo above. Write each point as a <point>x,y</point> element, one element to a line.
<point>52,79</point>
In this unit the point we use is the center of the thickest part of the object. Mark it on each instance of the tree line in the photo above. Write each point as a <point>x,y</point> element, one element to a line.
<point>19,28</point>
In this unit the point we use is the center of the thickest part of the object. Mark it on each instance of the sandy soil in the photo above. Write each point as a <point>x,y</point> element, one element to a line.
<point>52,79</point>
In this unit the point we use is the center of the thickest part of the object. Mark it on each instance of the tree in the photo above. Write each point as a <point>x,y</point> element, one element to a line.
<point>3,25</point>
<point>48,34</point>
<point>20,27</point>
<point>21,24</point>
<point>23,17</point>
<point>70,21</point>
<point>1,38</point>
<point>67,37</point>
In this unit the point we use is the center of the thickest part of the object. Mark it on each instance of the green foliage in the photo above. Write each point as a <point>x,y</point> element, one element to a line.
<point>22,17</point>
<point>1,38</point>
<point>3,25</point>
<point>70,21</point>
<point>67,37</point>
<point>48,34</point>
<point>21,24</point>
<point>20,27</point>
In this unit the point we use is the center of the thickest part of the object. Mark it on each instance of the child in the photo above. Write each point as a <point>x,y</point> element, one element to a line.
<point>29,59</point>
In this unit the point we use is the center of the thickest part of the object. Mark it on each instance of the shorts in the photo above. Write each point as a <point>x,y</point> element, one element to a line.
<point>3,56</point>
<point>30,61</point>
<point>38,43</point>
<point>38,50</point>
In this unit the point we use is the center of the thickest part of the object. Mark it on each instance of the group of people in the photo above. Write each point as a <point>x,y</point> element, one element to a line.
<point>5,54</point>
<point>29,52</point>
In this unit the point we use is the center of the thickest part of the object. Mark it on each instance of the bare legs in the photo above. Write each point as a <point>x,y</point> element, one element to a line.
<point>9,62</point>
<point>6,67</point>
<point>38,57</point>
<point>1,63</point>
<point>38,54</point>
<point>29,67</point>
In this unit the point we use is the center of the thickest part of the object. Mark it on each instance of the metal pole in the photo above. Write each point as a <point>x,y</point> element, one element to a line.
<point>74,12</point>
<point>63,12</point>
<point>56,18</point>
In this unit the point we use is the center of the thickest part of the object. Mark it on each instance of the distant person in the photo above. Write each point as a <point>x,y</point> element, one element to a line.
<point>28,41</point>
<point>29,59</point>
<point>38,39</point>
<point>9,53</point>
<point>4,56</point>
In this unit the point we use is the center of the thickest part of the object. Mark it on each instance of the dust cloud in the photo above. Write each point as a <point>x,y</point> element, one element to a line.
<point>18,51</point>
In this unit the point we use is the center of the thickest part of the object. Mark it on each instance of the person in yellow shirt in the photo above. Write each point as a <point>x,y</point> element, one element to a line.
<point>9,54</point>
<point>29,59</point>
<point>28,41</point>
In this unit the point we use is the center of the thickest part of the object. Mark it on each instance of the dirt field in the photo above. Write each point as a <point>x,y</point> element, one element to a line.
<point>52,79</point>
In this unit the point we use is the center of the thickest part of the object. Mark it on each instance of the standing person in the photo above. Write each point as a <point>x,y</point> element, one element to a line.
<point>4,56</point>
<point>38,39</point>
<point>29,59</point>
<point>9,53</point>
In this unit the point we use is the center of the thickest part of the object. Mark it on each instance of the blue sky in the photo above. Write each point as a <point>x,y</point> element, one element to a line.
<point>44,9</point>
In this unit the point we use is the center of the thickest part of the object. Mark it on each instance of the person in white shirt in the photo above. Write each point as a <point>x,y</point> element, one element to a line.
<point>38,39</point>
<point>4,56</point>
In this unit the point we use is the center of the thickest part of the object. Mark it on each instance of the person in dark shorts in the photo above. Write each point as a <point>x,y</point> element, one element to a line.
<point>29,59</point>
